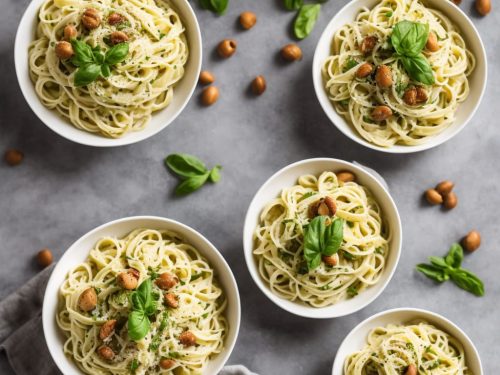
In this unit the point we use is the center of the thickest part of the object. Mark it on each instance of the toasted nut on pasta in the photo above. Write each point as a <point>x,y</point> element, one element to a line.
<point>44,257</point>
<point>381,113</point>
<point>87,300</point>
<point>227,47</point>
<point>323,207</point>
<point>70,32</point>
<point>432,42</point>
<point>166,363</point>
<point>107,329</point>
<point>368,44</point>
<point>330,260</point>
<point>187,338</point>
<point>13,157</point>
<point>445,187</point>
<point>171,300</point>
<point>421,94</point>
<point>483,7</point>
<point>410,96</point>
<point>450,201</point>
<point>64,50</point>
<point>383,76</point>
<point>206,77</point>
<point>411,370</point>
<point>127,280</point>
<point>209,95</point>
<point>247,20</point>
<point>433,197</point>
<point>291,52</point>
<point>166,281</point>
<point>106,352</point>
<point>259,85</point>
<point>91,19</point>
<point>115,18</point>
<point>364,70</point>
<point>472,241</point>
<point>118,37</point>
<point>345,176</point>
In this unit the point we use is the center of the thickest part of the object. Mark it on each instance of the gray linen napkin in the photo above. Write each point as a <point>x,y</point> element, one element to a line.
<point>21,332</point>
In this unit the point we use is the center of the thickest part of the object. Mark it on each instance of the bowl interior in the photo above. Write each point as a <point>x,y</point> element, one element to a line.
<point>288,177</point>
<point>182,91</point>
<point>356,339</point>
<point>466,110</point>
<point>78,252</point>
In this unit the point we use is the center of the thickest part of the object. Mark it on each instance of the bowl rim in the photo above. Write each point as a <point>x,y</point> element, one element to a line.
<point>96,139</point>
<point>334,117</point>
<point>300,309</point>
<point>48,320</point>
<point>418,311</point>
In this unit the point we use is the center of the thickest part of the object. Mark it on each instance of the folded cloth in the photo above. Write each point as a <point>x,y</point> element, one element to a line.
<point>21,331</point>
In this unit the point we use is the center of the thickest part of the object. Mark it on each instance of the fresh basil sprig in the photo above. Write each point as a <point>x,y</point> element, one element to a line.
<point>322,239</point>
<point>306,19</point>
<point>143,306</point>
<point>192,171</point>
<point>449,267</point>
<point>293,4</point>
<point>409,39</point>
<point>92,63</point>
<point>217,6</point>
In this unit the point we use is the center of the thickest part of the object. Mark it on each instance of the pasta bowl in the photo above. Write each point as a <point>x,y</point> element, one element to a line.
<point>287,177</point>
<point>356,339</point>
<point>466,110</point>
<point>78,252</point>
<point>52,119</point>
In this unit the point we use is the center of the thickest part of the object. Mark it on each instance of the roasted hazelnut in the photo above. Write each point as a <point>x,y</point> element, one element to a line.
<point>166,363</point>
<point>134,273</point>
<point>87,300</point>
<point>291,52</point>
<point>433,197</point>
<point>64,50</point>
<point>364,70</point>
<point>345,176</point>
<point>171,300</point>
<point>329,260</point>
<point>187,338</point>
<point>44,257</point>
<point>324,207</point>
<point>450,201</point>
<point>227,47</point>
<point>445,187</point>
<point>13,157</point>
<point>166,281</point>
<point>259,85</point>
<point>421,95</point>
<point>127,280</point>
<point>432,42</point>
<point>206,77</point>
<point>70,32</point>
<point>383,76</point>
<point>209,95</point>
<point>91,19</point>
<point>472,241</point>
<point>411,370</point>
<point>247,20</point>
<point>368,44</point>
<point>115,18</point>
<point>483,7</point>
<point>381,113</point>
<point>410,96</point>
<point>106,353</point>
<point>118,37</point>
<point>107,329</point>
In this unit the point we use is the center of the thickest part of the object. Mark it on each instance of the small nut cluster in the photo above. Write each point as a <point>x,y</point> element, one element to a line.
<point>167,363</point>
<point>483,7</point>
<point>329,260</point>
<point>471,241</point>
<point>70,32</point>
<point>13,157</point>
<point>64,50</point>
<point>415,95</point>
<point>91,19</point>
<point>368,44</point>
<point>442,194</point>
<point>107,329</point>
<point>187,338</point>
<point>345,176</point>
<point>324,207</point>
<point>128,280</point>
<point>381,113</point>
<point>248,20</point>
<point>171,300</point>
<point>118,37</point>
<point>44,258</point>
<point>364,70</point>
<point>432,42</point>
<point>227,48</point>
<point>291,52</point>
<point>383,76</point>
<point>87,300</point>
<point>115,18</point>
<point>258,85</point>
<point>106,353</point>
<point>166,281</point>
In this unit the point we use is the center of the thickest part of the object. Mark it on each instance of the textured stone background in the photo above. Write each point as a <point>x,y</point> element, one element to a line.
<point>63,190</point>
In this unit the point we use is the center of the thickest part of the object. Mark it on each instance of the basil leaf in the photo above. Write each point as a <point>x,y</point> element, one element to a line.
<point>185,165</point>
<point>455,256</point>
<point>138,325</point>
<point>144,291</point>
<point>191,184</point>
<point>205,4</point>
<point>215,174</point>
<point>314,241</point>
<point>409,38</point>
<point>134,365</point>
<point>306,19</point>
<point>334,234</point>
<point>293,4</point>
<point>433,272</point>
<point>105,71</point>
<point>439,262</point>
<point>83,53</point>
<point>468,281</point>
<point>99,57</point>
<point>418,69</point>
<point>351,63</point>
<point>87,74</point>
<point>116,54</point>
<point>219,6</point>
<point>137,302</point>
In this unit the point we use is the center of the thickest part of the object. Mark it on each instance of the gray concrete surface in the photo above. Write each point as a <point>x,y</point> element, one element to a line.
<point>63,190</point>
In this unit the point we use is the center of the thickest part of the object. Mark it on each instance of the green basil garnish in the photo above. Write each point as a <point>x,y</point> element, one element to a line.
<point>116,54</point>
<point>217,6</point>
<point>418,68</point>
<point>306,19</point>
<point>143,306</point>
<point>87,74</point>
<point>320,239</point>
<point>293,4</point>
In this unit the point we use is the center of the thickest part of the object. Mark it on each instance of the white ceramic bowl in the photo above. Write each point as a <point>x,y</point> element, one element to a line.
<point>182,92</point>
<point>465,111</point>
<point>79,251</point>
<point>356,339</point>
<point>287,177</point>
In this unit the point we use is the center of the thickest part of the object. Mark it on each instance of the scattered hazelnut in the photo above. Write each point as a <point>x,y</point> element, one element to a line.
<point>13,157</point>
<point>247,20</point>
<point>70,32</point>
<point>226,48</point>
<point>330,260</point>
<point>44,257</point>
<point>368,44</point>
<point>171,300</point>
<point>345,176</point>
<point>106,352</point>
<point>107,329</point>
<point>432,42</point>
<point>421,95</point>
<point>472,241</point>
<point>433,197</point>
<point>134,273</point>
<point>259,85</point>
<point>166,281</point>
<point>411,370</point>
<point>381,113</point>
<point>444,187</point>
<point>118,37</point>
<point>206,77</point>
<point>450,201</point>
<point>364,70</point>
<point>91,19</point>
<point>291,52</point>
<point>410,96</point>
<point>166,363</point>
<point>209,95</point>
<point>87,300</point>
<point>115,18</point>
<point>483,7</point>
<point>64,50</point>
<point>383,76</point>
<point>127,280</point>
<point>324,207</point>
<point>187,338</point>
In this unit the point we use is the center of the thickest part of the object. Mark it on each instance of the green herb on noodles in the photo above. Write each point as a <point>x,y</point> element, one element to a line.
<point>134,365</point>
<point>351,63</point>
<point>143,306</point>
<point>322,239</point>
